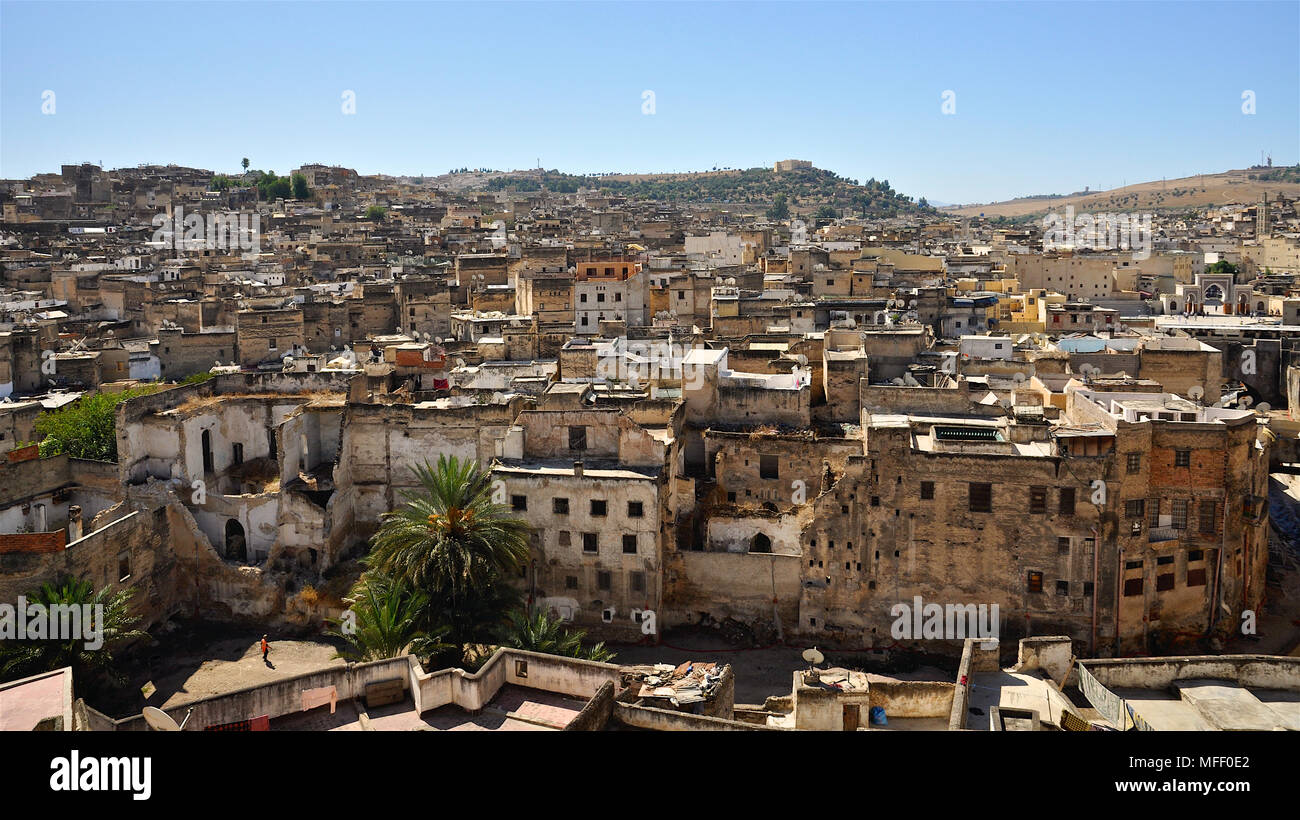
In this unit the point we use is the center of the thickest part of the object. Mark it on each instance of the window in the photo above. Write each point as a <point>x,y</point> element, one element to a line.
<point>1180,514</point>
<point>570,582</point>
<point>1133,564</point>
<point>519,503</point>
<point>636,581</point>
<point>927,490</point>
<point>1164,583</point>
<point>1196,555</point>
<point>1063,544</point>
<point>270,343</point>
<point>123,567</point>
<point>981,498</point>
<point>577,438</point>
<point>1034,582</point>
<point>238,453</point>
<point>1087,589</point>
<point>603,580</point>
<point>1066,506</point>
<point>598,507</point>
<point>564,538</point>
<point>767,467</point>
<point>521,667</point>
<point>635,509</point>
<point>1132,587</point>
<point>1062,587</point>
<point>629,545</point>
<point>1134,463</point>
<point>560,506</point>
<point>1182,458</point>
<point>589,542</point>
<point>1153,512</point>
<point>1196,577</point>
<point>1207,514</point>
<point>1135,508</point>
<point>1164,560</point>
<point>1037,500</point>
<point>582,297</point>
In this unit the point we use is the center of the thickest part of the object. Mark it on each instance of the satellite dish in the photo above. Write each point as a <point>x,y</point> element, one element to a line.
<point>1004,403</point>
<point>811,655</point>
<point>160,721</point>
<point>1196,393</point>
<point>1018,377</point>
<point>1263,407</point>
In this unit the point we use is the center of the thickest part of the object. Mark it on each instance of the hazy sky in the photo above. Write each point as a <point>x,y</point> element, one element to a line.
<point>1049,97</point>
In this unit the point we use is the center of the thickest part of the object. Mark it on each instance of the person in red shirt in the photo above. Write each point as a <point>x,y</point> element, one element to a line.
<point>265,647</point>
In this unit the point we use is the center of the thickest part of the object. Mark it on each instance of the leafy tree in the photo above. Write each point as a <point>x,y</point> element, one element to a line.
<point>376,212</point>
<point>537,631</point>
<point>450,537</point>
<point>300,189</point>
<point>1222,266</point>
<point>825,212</point>
<point>390,621</point>
<point>779,209</point>
<point>117,626</point>
<point>269,186</point>
<point>86,428</point>
<point>244,162</point>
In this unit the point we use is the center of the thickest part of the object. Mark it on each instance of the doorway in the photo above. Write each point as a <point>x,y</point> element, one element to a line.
<point>207,452</point>
<point>236,545</point>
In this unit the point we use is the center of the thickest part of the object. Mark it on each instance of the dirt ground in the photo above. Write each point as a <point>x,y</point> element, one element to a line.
<point>198,660</point>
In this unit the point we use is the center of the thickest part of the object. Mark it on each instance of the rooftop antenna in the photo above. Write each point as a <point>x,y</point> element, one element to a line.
<point>160,721</point>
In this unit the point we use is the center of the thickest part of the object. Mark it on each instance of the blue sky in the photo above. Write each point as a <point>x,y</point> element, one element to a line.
<point>1050,97</point>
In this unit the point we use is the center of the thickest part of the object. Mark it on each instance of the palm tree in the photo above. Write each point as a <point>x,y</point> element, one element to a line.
<point>110,617</point>
<point>244,162</point>
<point>537,631</point>
<point>450,537</point>
<point>389,622</point>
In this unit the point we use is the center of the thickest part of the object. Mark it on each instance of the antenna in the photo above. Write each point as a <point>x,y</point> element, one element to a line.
<point>813,656</point>
<point>160,721</point>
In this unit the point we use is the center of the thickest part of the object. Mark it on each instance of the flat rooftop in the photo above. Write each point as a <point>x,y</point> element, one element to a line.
<point>515,708</point>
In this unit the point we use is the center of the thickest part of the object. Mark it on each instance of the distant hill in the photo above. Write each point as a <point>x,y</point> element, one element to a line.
<point>805,190</point>
<point>1202,191</point>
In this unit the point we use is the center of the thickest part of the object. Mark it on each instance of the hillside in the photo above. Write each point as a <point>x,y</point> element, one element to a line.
<point>1203,191</point>
<point>804,190</point>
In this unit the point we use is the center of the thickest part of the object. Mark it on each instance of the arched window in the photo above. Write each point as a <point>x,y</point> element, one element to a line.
<point>1214,292</point>
<point>761,543</point>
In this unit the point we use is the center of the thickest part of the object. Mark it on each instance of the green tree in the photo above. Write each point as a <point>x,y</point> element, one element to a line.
<point>244,162</point>
<point>86,428</point>
<point>376,213</point>
<point>300,189</point>
<point>779,209</point>
<point>1222,266</point>
<point>388,620</point>
<point>111,619</point>
<point>450,537</point>
<point>537,631</point>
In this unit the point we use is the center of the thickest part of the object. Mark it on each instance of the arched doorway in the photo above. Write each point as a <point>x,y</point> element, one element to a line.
<point>236,546</point>
<point>761,543</point>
